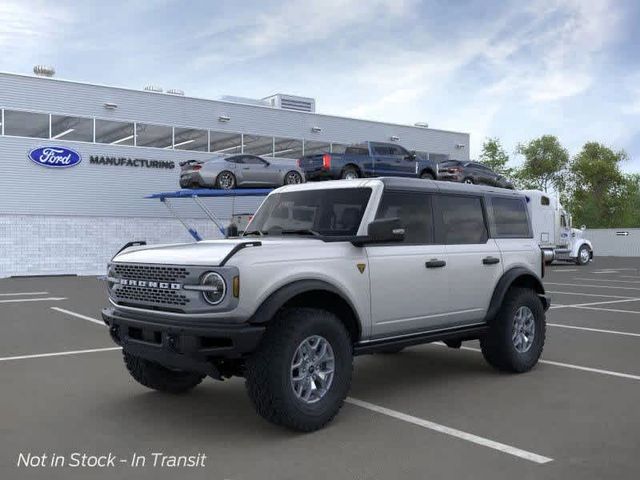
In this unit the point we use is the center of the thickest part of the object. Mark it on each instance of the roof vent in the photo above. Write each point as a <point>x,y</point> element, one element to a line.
<point>292,102</point>
<point>44,71</point>
<point>153,88</point>
<point>175,91</point>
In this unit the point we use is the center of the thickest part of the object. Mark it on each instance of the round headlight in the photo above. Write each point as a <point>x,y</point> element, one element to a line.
<point>216,288</point>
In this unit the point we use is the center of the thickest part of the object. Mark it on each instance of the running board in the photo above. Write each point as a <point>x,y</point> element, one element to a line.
<point>457,334</point>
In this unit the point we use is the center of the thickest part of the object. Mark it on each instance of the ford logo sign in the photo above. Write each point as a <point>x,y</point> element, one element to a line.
<point>55,157</point>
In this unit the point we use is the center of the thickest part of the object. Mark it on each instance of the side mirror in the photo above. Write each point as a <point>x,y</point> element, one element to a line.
<point>411,156</point>
<point>384,230</point>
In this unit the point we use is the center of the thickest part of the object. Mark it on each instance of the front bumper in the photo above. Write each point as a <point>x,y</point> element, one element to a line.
<point>191,346</point>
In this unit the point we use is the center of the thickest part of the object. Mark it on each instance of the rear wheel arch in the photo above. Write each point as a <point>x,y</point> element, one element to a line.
<point>352,166</point>
<point>311,294</point>
<point>518,277</point>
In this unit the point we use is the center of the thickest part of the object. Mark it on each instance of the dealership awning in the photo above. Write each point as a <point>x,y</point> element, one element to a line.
<point>197,194</point>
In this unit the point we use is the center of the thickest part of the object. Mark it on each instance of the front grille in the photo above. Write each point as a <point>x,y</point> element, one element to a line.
<point>148,272</point>
<point>132,294</point>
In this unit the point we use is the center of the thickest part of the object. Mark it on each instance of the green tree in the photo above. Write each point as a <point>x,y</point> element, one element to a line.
<point>601,195</point>
<point>545,163</point>
<point>495,157</point>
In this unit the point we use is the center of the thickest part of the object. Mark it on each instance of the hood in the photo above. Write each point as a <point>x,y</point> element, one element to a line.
<point>206,253</point>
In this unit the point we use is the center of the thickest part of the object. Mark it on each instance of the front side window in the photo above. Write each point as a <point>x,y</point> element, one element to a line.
<point>26,124</point>
<point>328,212</point>
<point>414,212</point>
<point>461,220</point>
<point>510,217</point>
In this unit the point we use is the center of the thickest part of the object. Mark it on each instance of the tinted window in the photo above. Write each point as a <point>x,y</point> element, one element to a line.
<point>234,159</point>
<point>449,163</point>
<point>329,211</point>
<point>397,150</point>
<point>381,150</point>
<point>357,150</point>
<point>461,220</point>
<point>252,160</point>
<point>544,201</point>
<point>510,217</point>
<point>414,212</point>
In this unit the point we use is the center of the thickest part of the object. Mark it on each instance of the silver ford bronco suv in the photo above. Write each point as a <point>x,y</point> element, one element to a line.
<point>326,271</point>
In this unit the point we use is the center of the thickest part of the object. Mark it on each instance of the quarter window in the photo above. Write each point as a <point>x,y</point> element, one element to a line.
<point>415,214</point>
<point>461,220</point>
<point>510,217</point>
<point>26,124</point>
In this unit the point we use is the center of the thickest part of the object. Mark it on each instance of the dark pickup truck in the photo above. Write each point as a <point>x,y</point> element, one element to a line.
<point>368,159</point>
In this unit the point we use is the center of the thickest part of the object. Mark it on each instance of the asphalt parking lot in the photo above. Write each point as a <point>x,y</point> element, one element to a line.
<point>429,412</point>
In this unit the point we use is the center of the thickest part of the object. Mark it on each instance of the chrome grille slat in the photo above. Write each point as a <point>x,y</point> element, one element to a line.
<point>157,273</point>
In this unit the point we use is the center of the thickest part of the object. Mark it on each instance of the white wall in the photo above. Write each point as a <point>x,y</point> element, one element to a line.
<point>606,242</point>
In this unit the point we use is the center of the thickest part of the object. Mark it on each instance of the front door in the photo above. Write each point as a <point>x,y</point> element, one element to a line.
<point>409,280</point>
<point>254,171</point>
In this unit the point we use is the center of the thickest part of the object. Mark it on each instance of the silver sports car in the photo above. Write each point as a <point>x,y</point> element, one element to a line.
<point>242,170</point>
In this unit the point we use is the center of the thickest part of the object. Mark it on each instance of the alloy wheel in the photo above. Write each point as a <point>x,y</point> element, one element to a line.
<point>524,329</point>
<point>312,369</point>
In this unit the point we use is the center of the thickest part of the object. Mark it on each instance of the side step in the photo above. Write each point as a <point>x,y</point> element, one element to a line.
<point>457,334</point>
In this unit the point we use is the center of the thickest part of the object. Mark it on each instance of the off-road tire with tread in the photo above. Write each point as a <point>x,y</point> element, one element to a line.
<point>156,377</point>
<point>268,370</point>
<point>497,344</point>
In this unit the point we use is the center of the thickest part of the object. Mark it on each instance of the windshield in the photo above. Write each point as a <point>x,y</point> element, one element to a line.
<point>330,212</point>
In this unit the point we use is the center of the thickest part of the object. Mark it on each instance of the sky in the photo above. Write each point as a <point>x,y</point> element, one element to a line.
<point>508,69</point>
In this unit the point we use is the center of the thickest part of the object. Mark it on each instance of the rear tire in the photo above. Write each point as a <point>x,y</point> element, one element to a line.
<point>272,377</point>
<point>350,173</point>
<point>156,377</point>
<point>427,176</point>
<point>225,180</point>
<point>292,178</point>
<point>512,343</point>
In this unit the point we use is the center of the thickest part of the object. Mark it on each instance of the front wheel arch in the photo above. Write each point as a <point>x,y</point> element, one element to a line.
<point>311,294</point>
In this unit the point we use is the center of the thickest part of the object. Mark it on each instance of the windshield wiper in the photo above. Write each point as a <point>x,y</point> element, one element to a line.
<point>301,231</point>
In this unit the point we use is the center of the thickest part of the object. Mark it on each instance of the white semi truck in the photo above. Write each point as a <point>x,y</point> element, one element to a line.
<point>553,230</point>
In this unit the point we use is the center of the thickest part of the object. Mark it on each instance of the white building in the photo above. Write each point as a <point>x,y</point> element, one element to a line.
<point>71,220</point>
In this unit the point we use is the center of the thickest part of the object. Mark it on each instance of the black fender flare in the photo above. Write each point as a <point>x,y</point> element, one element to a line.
<point>274,302</point>
<point>508,278</point>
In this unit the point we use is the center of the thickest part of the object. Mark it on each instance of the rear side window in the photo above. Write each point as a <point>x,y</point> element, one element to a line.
<point>357,150</point>
<point>510,217</point>
<point>414,212</point>
<point>461,220</point>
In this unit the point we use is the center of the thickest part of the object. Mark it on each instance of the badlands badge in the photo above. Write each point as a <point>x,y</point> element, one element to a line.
<point>361,267</point>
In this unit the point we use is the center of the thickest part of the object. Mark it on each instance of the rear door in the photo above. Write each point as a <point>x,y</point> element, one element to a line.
<point>382,159</point>
<point>409,280</point>
<point>473,259</point>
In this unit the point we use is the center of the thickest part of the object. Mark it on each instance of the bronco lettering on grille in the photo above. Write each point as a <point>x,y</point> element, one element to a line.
<point>151,284</point>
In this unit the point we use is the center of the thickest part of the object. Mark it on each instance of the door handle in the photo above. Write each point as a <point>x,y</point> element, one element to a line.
<point>435,263</point>
<point>490,260</point>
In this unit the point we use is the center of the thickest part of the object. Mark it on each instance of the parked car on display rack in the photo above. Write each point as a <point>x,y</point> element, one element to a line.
<point>368,159</point>
<point>227,172</point>
<point>325,271</point>
<point>471,172</point>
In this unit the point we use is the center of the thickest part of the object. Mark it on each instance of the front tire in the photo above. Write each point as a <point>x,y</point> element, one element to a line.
<point>427,176</point>
<point>156,377</point>
<point>225,180</point>
<point>584,255</point>
<point>301,372</point>
<point>516,335</point>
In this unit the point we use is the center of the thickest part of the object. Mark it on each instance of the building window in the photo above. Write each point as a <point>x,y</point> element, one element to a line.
<point>258,145</point>
<point>191,139</point>
<point>114,133</point>
<point>287,148</point>
<point>225,142</point>
<point>26,124</point>
<point>314,148</point>
<point>71,128</point>
<point>157,136</point>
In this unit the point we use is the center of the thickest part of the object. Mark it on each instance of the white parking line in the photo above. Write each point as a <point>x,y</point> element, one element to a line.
<point>606,280</point>
<point>596,330</point>
<point>563,270</point>
<point>22,293</point>
<point>57,354</point>
<point>567,365</point>
<point>594,286</point>
<point>576,305</point>
<point>469,437</point>
<point>614,310</point>
<point>587,294</point>
<point>83,317</point>
<point>24,300</point>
